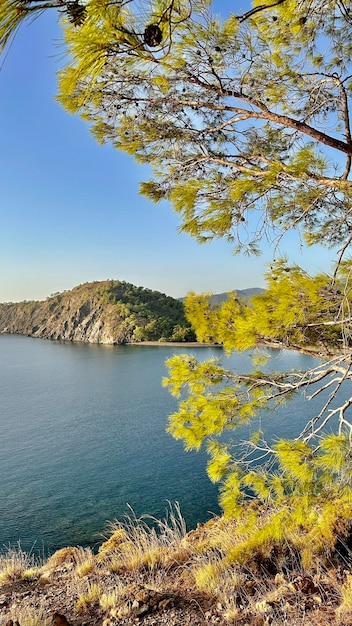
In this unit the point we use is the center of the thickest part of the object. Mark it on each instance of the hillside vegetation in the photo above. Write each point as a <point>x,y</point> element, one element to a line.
<point>162,575</point>
<point>110,312</point>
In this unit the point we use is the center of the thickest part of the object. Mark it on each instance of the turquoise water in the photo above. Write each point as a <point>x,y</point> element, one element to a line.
<point>82,432</point>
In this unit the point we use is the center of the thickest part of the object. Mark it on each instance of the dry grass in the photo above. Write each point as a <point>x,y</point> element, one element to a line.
<point>344,611</point>
<point>91,594</point>
<point>295,597</point>
<point>27,617</point>
<point>61,557</point>
<point>146,543</point>
<point>15,564</point>
<point>112,598</point>
<point>161,558</point>
<point>287,595</point>
<point>85,562</point>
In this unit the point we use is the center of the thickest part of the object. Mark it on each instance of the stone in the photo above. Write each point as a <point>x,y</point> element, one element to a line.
<point>59,620</point>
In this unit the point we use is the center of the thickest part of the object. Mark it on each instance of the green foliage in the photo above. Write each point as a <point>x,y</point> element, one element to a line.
<point>157,315</point>
<point>299,513</point>
<point>13,13</point>
<point>301,481</point>
<point>308,529</point>
<point>296,310</point>
<point>238,118</point>
<point>244,119</point>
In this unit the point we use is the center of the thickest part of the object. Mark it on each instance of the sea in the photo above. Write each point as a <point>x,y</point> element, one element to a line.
<point>83,439</point>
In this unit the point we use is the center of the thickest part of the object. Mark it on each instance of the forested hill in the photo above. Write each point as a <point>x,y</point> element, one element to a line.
<point>110,312</point>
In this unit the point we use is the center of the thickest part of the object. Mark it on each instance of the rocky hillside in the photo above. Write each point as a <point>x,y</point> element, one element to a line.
<point>110,312</point>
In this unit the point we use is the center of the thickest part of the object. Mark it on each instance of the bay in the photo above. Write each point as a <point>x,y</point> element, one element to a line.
<point>82,438</point>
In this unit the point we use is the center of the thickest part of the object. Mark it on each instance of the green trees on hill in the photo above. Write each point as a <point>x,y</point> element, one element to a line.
<point>155,316</point>
<point>245,121</point>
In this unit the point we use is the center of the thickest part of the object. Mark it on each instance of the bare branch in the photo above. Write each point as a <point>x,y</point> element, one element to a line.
<point>258,9</point>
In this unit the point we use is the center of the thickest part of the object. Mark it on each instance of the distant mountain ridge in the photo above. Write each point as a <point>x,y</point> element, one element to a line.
<point>242,294</point>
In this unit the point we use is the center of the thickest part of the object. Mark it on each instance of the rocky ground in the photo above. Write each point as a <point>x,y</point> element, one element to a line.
<point>140,579</point>
<point>52,600</point>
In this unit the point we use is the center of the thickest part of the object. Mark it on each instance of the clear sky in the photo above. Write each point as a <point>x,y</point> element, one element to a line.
<point>70,211</point>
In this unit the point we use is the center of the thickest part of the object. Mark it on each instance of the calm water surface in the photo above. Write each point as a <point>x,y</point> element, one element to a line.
<point>82,433</point>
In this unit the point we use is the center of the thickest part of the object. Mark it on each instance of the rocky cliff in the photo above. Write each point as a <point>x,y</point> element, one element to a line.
<point>109,312</point>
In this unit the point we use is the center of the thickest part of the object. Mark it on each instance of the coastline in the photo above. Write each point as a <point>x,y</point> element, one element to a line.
<point>271,344</point>
<point>176,344</point>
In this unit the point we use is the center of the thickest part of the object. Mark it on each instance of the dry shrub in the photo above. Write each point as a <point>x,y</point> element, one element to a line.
<point>61,557</point>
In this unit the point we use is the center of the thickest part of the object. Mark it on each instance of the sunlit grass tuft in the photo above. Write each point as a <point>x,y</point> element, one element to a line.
<point>31,573</point>
<point>135,543</point>
<point>344,611</point>
<point>30,617</point>
<point>90,595</point>
<point>111,599</point>
<point>14,564</point>
<point>85,562</point>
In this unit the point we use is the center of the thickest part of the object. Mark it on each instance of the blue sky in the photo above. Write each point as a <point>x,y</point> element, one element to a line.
<point>70,211</point>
